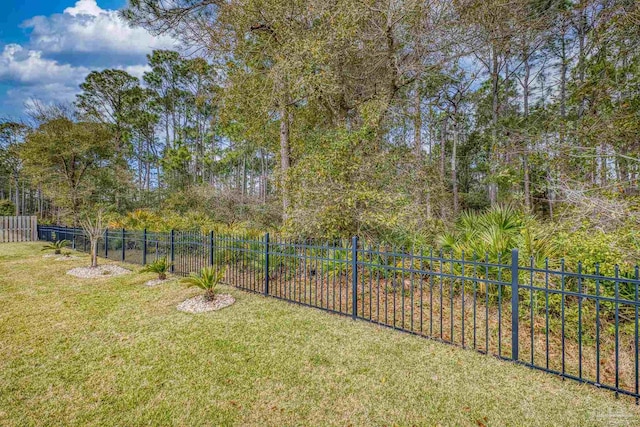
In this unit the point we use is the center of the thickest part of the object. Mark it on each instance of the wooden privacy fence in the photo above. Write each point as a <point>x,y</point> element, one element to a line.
<point>18,229</point>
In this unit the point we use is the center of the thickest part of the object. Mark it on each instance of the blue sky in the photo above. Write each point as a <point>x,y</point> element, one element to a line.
<point>47,47</point>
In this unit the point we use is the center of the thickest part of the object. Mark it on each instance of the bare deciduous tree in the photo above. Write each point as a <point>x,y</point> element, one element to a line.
<point>94,229</point>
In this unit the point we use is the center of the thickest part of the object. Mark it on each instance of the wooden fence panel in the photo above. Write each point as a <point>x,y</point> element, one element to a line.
<point>18,229</point>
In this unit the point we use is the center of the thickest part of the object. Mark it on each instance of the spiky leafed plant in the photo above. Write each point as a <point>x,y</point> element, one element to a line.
<point>160,266</point>
<point>56,246</point>
<point>207,280</point>
<point>493,232</point>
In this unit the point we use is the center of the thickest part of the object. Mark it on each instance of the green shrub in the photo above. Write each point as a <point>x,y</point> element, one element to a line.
<point>591,247</point>
<point>7,208</point>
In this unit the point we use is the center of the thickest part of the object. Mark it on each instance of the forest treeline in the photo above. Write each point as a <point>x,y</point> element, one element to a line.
<point>393,120</point>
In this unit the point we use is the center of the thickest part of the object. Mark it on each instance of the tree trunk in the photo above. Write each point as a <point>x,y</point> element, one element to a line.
<point>443,145</point>
<point>493,189</point>
<point>422,185</point>
<point>17,195</point>
<point>550,193</point>
<point>603,164</point>
<point>454,175</point>
<point>284,158</point>
<point>525,143</point>
<point>563,82</point>
<point>94,252</point>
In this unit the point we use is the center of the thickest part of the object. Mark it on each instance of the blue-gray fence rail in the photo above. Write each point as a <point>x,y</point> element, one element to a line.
<point>581,325</point>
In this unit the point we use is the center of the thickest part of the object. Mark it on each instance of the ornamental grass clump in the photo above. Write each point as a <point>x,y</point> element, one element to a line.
<point>207,280</point>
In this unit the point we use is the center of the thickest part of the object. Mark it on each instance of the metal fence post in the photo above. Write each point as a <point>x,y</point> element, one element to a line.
<point>124,247</point>
<point>211,248</point>
<point>514,305</point>
<point>172,251</point>
<point>106,243</point>
<point>144,247</point>
<point>354,277</point>
<point>266,264</point>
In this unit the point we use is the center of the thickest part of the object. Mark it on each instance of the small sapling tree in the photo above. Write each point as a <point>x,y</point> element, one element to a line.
<point>94,229</point>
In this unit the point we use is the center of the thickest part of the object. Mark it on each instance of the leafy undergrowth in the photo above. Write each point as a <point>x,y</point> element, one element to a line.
<point>114,352</point>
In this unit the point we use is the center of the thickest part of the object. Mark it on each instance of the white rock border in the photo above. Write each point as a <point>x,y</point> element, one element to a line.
<point>106,270</point>
<point>156,282</point>
<point>199,304</point>
<point>67,258</point>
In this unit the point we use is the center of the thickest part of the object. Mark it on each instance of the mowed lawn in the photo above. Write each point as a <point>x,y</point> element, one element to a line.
<point>115,352</point>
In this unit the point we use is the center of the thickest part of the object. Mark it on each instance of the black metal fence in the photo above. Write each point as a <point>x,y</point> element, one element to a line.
<point>577,324</point>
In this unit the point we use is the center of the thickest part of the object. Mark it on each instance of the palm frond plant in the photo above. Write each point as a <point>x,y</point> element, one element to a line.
<point>208,280</point>
<point>56,246</point>
<point>160,266</point>
<point>448,241</point>
<point>536,243</point>
<point>493,232</point>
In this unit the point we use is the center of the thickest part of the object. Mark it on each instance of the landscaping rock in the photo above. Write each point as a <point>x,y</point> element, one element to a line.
<point>67,258</point>
<point>156,282</point>
<point>199,304</point>
<point>109,270</point>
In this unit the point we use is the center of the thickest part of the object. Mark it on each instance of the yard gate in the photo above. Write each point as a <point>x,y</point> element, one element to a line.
<point>18,229</point>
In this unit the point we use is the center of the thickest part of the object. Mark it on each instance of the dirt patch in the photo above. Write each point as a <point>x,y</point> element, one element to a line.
<point>99,271</point>
<point>199,304</point>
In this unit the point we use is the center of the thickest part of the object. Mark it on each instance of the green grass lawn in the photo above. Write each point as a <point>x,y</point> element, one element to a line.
<point>114,352</point>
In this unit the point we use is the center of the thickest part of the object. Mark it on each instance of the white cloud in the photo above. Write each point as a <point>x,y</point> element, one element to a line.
<point>25,66</point>
<point>90,37</point>
<point>33,76</point>
<point>49,93</point>
<point>84,7</point>
<point>136,70</point>
<point>87,28</point>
